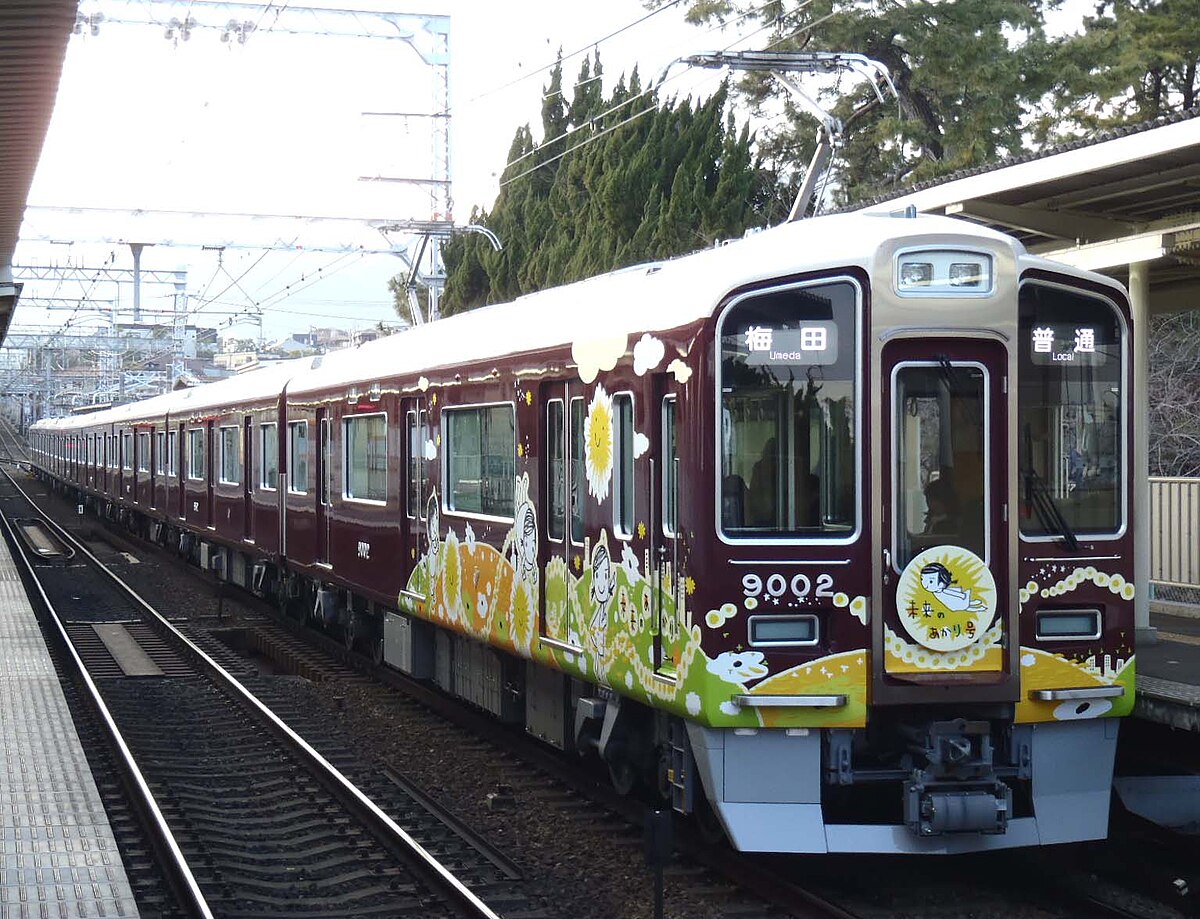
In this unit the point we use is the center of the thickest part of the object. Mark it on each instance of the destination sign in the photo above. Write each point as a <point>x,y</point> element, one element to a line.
<point>1055,343</point>
<point>811,343</point>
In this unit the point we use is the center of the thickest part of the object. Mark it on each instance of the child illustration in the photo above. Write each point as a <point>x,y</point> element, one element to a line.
<point>936,579</point>
<point>603,587</point>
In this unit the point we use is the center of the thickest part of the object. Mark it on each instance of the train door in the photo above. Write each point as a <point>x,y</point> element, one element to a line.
<point>210,467</point>
<point>946,535</point>
<point>562,609</point>
<point>664,527</point>
<point>247,477</point>
<point>180,471</point>
<point>322,491</point>
<point>154,461</point>
<point>415,489</point>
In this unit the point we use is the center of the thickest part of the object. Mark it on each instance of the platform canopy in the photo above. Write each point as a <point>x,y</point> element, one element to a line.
<point>33,45</point>
<point>1125,197</point>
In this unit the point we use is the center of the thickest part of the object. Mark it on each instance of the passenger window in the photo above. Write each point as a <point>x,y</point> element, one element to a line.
<point>269,453</point>
<point>196,471</point>
<point>365,438</point>
<point>481,460</point>
<point>578,469</point>
<point>670,484</point>
<point>298,457</point>
<point>623,464</point>
<point>231,455</point>
<point>417,425</point>
<point>556,470</point>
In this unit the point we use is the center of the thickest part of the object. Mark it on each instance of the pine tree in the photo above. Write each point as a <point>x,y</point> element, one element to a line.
<point>968,74</point>
<point>646,181</point>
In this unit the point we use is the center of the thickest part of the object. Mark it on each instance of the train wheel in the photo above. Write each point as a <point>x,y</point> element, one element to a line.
<point>624,776</point>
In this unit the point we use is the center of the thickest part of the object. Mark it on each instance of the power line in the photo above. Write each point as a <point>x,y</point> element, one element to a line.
<point>664,79</point>
<point>567,57</point>
<point>652,88</point>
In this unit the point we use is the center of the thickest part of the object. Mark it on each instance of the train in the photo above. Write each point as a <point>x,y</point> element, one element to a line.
<point>822,536</point>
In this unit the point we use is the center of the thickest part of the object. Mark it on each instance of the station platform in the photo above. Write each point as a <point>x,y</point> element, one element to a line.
<point>58,855</point>
<point>1168,671</point>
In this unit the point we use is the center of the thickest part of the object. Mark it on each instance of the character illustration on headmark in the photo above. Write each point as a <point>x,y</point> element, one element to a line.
<point>936,579</point>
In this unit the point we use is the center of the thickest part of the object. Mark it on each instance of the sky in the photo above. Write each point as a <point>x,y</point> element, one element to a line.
<point>286,124</point>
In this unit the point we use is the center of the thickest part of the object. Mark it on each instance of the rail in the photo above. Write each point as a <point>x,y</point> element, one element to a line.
<point>1175,532</point>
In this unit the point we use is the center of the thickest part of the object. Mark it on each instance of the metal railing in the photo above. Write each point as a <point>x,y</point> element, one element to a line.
<point>1175,532</point>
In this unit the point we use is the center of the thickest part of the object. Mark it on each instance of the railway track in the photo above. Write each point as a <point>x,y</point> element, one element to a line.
<point>247,818</point>
<point>13,448</point>
<point>556,788</point>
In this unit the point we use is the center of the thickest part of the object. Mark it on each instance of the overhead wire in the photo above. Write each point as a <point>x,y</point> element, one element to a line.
<point>567,57</point>
<point>663,79</point>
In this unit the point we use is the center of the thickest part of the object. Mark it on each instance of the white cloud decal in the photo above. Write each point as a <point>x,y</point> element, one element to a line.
<point>430,450</point>
<point>597,355</point>
<point>693,704</point>
<point>641,443</point>
<point>629,559</point>
<point>647,354</point>
<point>682,371</point>
<point>423,384</point>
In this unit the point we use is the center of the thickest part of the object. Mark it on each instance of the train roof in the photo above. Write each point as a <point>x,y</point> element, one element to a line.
<point>651,297</point>
<point>645,298</point>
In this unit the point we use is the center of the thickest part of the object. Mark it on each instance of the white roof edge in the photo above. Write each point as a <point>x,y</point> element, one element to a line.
<point>1080,160</point>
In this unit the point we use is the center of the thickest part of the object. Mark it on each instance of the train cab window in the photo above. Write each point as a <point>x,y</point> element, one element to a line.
<point>230,441</point>
<point>365,461</point>
<point>417,434</point>
<point>172,443</point>
<point>1070,437</point>
<point>268,473</point>
<point>788,433</point>
<point>942,460</point>
<point>481,460</point>
<point>298,457</point>
<point>670,468</point>
<point>143,451</point>
<point>196,470</point>
<point>622,423</point>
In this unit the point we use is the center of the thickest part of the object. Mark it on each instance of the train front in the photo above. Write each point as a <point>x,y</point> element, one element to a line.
<point>923,635</point>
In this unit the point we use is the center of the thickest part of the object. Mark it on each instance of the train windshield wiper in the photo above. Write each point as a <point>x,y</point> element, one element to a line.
<point>1049,514</point>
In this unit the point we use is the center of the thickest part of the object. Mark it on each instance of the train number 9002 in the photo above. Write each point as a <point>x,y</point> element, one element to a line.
<point>777,584</point>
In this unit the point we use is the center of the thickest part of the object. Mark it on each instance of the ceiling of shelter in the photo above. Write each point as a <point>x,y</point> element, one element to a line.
<point>33,44</point>
<point>1122,196</point>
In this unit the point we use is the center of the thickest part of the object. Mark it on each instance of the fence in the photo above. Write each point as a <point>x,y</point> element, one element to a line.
<point>1175,532</point>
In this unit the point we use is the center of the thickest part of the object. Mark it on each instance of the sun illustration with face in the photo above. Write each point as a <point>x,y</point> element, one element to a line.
<point>598,443</point>
<point>946,598</point>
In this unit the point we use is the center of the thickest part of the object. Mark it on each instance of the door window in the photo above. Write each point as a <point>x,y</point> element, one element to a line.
<point>941,475</point>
